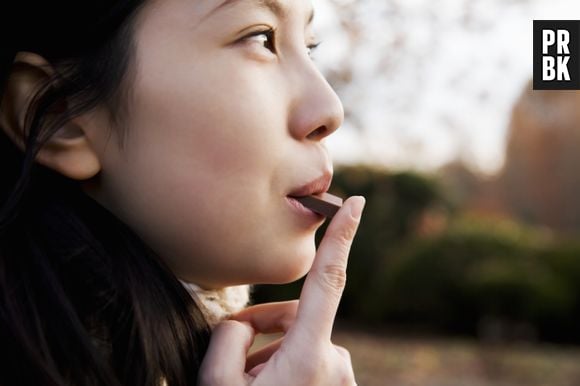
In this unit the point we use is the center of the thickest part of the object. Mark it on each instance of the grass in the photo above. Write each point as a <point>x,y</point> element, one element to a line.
<point>381,359</point>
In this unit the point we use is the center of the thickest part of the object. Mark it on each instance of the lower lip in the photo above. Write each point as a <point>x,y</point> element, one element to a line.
<point>303,211</point>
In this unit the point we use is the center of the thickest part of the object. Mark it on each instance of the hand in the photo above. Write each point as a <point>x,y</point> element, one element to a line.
<point>306,355</point>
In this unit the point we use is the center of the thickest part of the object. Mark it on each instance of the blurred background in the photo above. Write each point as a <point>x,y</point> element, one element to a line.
<point>466,267</point>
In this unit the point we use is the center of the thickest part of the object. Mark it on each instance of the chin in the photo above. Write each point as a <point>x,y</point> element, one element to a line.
<point>293,267</point>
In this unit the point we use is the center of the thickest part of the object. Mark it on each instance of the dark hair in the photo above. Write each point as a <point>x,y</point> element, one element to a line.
<point>83,300</point>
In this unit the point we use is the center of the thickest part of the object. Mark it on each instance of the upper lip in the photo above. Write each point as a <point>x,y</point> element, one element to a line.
<point>317,186</point>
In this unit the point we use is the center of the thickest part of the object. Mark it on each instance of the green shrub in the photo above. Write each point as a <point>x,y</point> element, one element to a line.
<point>476,269</point>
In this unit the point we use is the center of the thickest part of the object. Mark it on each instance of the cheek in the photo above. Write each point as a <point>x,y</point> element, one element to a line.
<point>217,120</point>
<point>216,235</point>
<point>205,180</point>
<point>210,134</point>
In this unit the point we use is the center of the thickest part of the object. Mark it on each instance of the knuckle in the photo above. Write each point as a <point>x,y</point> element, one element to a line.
<point>322,372</point>
<point>343,236</point>
<point>345,375</point>
<point>311,366</point>
<point>325,368</point>
<point>346,378</point>
<point>344,353</point>
<point>316,369</point>
<point>333,277</point>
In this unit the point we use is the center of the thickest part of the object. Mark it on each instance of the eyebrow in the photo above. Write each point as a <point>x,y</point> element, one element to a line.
<point>273,6</point>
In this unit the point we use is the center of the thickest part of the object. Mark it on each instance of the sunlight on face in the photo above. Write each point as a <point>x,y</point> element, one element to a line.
<point>228,115</point>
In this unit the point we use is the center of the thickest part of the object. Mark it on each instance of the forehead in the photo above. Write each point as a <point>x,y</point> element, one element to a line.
<point>281,8</point>
<point>195,13</point>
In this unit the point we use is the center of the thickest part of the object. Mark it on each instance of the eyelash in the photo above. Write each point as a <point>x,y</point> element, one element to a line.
<point>270,35</point>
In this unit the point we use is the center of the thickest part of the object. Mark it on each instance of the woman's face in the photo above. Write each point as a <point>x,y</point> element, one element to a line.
<point>226,119</point>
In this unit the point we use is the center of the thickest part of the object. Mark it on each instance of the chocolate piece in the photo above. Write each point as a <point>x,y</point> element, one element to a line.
<point>326,204</point>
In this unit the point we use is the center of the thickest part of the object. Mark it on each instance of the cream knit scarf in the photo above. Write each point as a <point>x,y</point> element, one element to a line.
<point>220,303</point>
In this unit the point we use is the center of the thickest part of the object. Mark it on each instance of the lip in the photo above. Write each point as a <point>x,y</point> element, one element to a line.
<point>316,186</point>
<point>319,185</point>
<point>304,212</point>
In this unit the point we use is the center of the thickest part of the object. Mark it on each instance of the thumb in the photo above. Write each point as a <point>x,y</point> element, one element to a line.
<point>225,360</point>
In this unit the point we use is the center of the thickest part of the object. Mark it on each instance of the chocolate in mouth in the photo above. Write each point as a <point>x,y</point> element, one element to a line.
<point>325,203</point>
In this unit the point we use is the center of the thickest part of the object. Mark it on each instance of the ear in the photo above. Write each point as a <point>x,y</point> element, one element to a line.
<point>69,151</point>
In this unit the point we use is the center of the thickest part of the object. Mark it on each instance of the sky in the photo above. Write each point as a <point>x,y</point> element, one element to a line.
<point>433,80</point>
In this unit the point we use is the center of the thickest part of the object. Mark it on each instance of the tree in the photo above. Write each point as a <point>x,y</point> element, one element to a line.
<point>541,178</point>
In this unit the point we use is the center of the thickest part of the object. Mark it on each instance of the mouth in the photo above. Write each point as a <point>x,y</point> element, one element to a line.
<point>304,212</point>
<point>317,186</point>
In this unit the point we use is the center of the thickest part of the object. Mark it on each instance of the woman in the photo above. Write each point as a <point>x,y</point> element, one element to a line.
<point>154,147</point>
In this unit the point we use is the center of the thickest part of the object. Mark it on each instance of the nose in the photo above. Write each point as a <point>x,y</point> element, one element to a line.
<point>316,110</point>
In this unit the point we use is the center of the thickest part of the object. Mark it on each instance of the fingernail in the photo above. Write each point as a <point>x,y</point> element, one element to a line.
<point>357,207</point>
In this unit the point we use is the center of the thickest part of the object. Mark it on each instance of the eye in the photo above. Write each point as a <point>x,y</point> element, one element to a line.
<point>264,38</point>
<point>311,48</point>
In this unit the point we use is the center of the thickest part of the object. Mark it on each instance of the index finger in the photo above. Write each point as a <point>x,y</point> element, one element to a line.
<point>325,282</point>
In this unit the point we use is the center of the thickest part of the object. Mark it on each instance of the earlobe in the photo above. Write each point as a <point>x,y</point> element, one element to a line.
<point>69,151</point>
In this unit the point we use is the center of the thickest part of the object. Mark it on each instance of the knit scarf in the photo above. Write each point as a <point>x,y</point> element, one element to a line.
<point>219,304</point>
